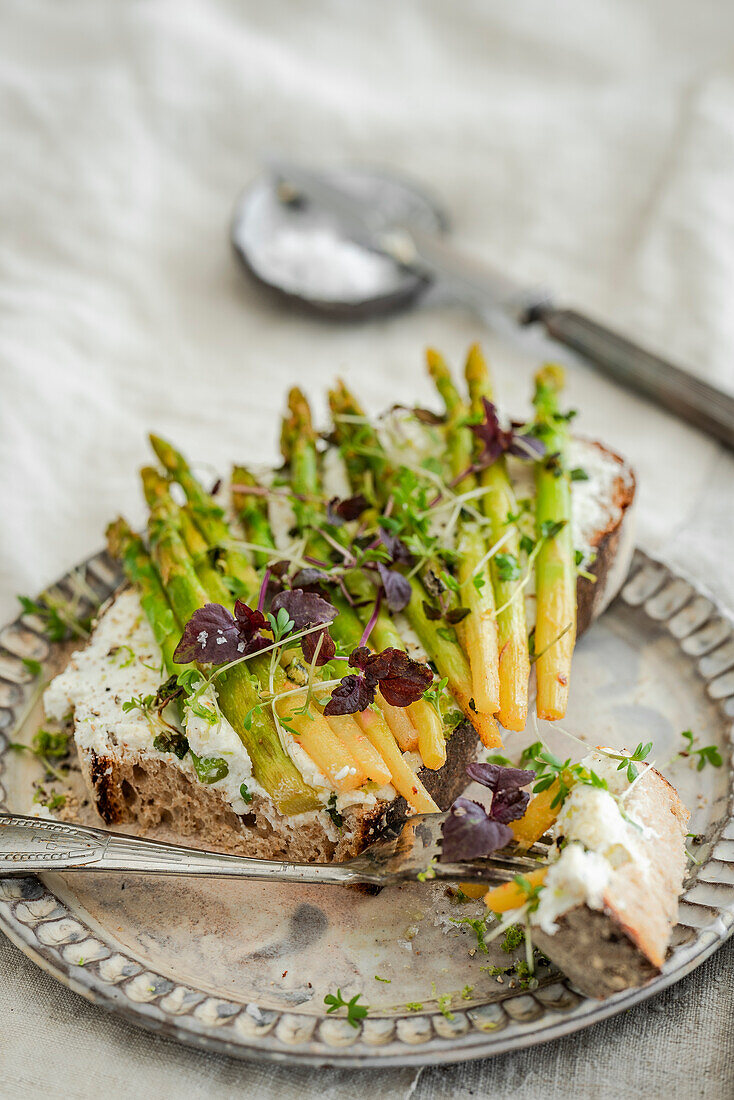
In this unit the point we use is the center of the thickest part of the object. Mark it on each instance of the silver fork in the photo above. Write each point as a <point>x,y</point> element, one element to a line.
<point>408,851</point>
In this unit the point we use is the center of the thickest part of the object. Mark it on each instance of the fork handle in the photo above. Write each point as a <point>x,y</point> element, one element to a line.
<point>29,845</point>
<point>689,397</point>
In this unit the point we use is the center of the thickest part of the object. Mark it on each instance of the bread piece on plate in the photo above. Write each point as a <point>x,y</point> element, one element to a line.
<point>610,900</point>
<point>132,782</point>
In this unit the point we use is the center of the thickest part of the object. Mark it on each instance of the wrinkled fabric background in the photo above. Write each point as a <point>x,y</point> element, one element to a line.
<point>588,147</point>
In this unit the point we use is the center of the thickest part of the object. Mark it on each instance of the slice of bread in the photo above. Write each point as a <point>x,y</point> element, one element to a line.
<point>623,941</point>
<point>131,783</point>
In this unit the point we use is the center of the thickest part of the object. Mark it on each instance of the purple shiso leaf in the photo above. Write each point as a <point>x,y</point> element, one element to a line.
<point>211,636</point>
<point>249,622</point>
<point>311,579</point>
<point>342,511</point>
<point>498,778</point>
<point>359,657</point>
<point>395,586</point>
<point>525,445</point>
<point>304,608</point>
<point>310,642</point>
<point>509,804</point>
<point>402,680</point>
<point>396,548</point>
<point>470,833</point>
<point>280,568</point>
<point>353,694</point>
<point>497,441</point>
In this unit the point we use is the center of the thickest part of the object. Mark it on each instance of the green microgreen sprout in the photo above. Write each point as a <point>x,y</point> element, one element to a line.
<point>355,1012</point>
<point>628,762</point>
<point>58,617</point>
<point>508,567</point>
<point>47,745</point>
<point>434,693</point>
<point>707,754</point>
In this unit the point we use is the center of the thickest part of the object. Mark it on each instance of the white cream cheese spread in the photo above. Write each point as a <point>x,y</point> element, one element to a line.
<point>122,662</point>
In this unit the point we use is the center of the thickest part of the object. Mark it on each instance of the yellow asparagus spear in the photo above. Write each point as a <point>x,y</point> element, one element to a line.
<point>498,504</point>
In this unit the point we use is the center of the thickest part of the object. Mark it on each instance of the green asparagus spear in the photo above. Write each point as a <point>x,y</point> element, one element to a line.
<point>459,442</point>
<point>438,642</point>
<point>237,690</point>
<point>478,631</point>
<point>139,569</point>
<point>364,456</point>
<point>499,504</point>
<point>421,723</point>
<point>163,510</point>
<point>208,515</point>
<point>555,569</point>
<point>252,512</point>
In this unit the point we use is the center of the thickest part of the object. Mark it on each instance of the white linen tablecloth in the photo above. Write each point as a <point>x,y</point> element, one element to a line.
<point>589,147</point>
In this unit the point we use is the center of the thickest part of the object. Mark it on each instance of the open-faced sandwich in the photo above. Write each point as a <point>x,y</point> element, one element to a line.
<point>603,905</point>
<point>319,649</point>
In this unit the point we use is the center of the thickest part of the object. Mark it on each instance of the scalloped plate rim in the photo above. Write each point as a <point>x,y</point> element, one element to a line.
<point>473,1044</point>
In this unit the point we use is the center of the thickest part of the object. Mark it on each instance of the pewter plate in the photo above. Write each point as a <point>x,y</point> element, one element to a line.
<point>243,968</point>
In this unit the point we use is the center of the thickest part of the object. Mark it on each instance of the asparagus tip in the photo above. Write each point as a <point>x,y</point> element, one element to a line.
<point>155,485</point>
<point>164,451</point>
<point>436,364</point>
<point>476,364</point>
<point>551,375</point>
<point>118,535</point>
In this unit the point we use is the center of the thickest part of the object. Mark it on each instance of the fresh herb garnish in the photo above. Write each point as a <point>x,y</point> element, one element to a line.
<point>47,745</point>
<point>332,811</point>
<point>214,636</point>
<point>52,801</point>
<point>550,528</point>
<point>401,680</point>
<point>470,831</point>
<point>355,1012</point>
<point>245,795</point>
<point>496,441</point>
<point>627,762</point>
<point>434,694</point>
<point>59,619</point>
<point>209,769</point>
<point>708,754</point>
<point>171,741</point>
<point>508,567</point>
<point>298,610</point>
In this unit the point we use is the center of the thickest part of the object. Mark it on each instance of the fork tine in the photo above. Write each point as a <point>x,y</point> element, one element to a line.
<point>412,848</point>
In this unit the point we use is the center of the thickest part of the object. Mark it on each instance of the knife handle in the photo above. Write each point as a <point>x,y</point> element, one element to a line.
<point>690,398</point>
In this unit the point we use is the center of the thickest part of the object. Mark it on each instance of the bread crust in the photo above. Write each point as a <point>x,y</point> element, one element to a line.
<point>614,545</point>
<point>624,943</point>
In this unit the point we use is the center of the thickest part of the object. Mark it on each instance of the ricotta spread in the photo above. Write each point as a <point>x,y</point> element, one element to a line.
<point>599,835</point>
<point>122,662</point>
